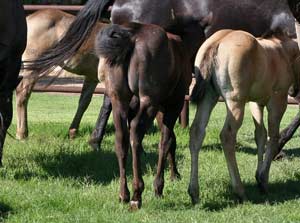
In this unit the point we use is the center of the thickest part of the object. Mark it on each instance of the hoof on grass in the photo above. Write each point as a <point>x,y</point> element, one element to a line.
<point>175,176</point>
<point>72,133</point>
<point>194,195</point>
<point>280,156</point>
<point>135,205</point>
<point>21,136</point>
<point>262,185</point>
<point>94,144</point>
<point>124,199</point>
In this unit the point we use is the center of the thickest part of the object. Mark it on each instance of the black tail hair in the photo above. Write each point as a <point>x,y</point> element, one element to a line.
<point>203,74</point>
<point>115,44</point>
<point>78,32</point>
<point>199,87</point>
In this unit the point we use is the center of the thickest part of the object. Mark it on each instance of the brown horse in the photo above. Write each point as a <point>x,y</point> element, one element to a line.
<point>12,44</point>
<point>242,68</point>
<point>51,24</point>
<point>145,65</point>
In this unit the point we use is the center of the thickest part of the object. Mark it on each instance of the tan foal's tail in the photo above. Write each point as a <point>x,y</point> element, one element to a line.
<point>205,65</point>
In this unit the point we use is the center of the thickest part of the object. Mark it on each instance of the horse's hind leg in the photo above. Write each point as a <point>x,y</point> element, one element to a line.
<point>276,108</point>
<point>234,119</point>
<point>99,130</point>
<point>23,93</point>
<point>260,132</point>
<point>120,116</point>
<point>197,134</point>
<point>167,145</point>
<point>171,157</point>
<point>166,141</point>
<point>172,152</point>
<point>84,101</point>
<point>138,126</point>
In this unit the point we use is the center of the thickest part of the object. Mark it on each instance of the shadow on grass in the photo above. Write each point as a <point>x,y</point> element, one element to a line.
<point>4,211</point>
<point>94,167</point>
<point>110,129</point>
<point>294,152</point>
<point>240,148</point>
<point>291,152</point>
<point>279,192</point>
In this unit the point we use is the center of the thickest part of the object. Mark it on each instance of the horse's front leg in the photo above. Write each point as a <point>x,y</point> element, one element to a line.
<point>138,126</point>
<point>5,118</point>
<point>9,69</point>
<point>276,108</point>
<point>120,115</point>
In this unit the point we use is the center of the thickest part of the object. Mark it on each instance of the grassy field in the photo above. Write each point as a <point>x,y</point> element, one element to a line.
<point>48,178</point>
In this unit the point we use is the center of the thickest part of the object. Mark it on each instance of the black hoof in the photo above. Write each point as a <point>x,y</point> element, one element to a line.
<point>262,186</point>
<point>194,196</point>
<point>175,176</point>
<point>94,144</point>
<point>281,155</point>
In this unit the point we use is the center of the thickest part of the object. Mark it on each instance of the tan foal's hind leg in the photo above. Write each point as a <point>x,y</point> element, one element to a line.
<point>234,119</point>
<point>197,134</point>
<point>276,108</point>
<point>260,133</point>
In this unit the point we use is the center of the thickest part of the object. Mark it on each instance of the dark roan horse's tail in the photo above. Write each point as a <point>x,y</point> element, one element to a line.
<point>73,39</point>
<point>115,44</point>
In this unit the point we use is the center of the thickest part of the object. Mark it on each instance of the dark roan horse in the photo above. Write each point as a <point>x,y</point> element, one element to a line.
<point>287,133</point>
<point>254,16</point>
<point>12,44</point>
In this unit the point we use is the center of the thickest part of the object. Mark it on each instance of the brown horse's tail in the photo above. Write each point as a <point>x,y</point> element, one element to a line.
<point>115,44</point>
<point>203,72</point>
<point>78,32</point>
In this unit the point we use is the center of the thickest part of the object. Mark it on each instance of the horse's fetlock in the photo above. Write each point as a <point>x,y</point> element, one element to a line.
<point>158,186</point>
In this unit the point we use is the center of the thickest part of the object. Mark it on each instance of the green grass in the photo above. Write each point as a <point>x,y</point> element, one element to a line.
<point>48,178</point>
